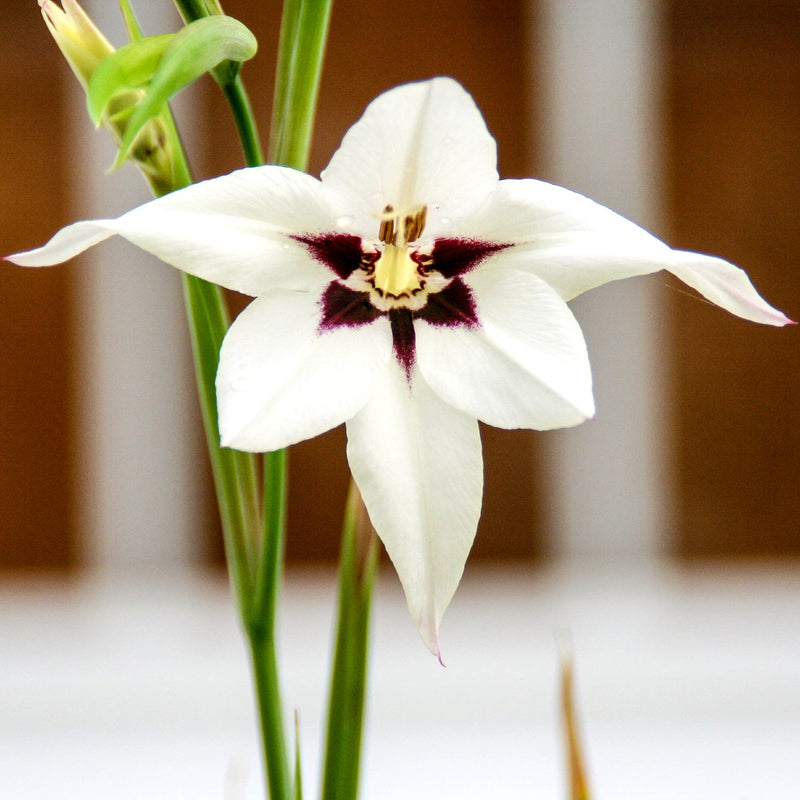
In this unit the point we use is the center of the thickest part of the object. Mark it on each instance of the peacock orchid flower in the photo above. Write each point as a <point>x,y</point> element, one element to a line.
<point>408,293</point>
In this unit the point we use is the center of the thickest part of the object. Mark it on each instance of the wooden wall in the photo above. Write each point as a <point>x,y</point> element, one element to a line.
<point>36,526</point>
<point>734,170</point>
<point>732,167</point>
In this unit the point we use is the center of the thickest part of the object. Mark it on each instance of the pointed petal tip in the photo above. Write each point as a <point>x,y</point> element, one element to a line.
<point>774,317</point>
<point>435,649</point>
<point>17,259</point>
<point>428,629</point>
<point>725,285</point>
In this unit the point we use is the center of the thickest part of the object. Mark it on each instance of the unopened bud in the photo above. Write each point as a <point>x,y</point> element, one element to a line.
<point>84,47</point>
<point>77,37</point>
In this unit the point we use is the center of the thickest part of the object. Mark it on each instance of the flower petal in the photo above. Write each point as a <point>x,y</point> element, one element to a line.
<point>575,244</point>
<point>585,261</point>
<point>524,366</point>
<point>422,143</point>
<point>530,211</point>
<point>281,380</point>
<point>726,285</point>
<point>231,230</point>
<point>66,244</point>
<point>417,462</point>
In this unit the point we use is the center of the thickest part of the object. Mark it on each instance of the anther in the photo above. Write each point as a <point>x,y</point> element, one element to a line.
<point>387,233</point>
<point>416,224</point>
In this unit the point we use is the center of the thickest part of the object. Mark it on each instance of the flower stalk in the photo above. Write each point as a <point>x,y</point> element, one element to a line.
<point>230,81</point>
<point>357,567</point>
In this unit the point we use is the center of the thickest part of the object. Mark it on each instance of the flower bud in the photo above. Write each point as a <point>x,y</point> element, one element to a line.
<point>84,47</point>
<point>77,37</point>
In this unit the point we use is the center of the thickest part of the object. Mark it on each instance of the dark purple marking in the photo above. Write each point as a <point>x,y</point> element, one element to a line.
<point>403,338</point>
<point>452,257</point>
<point>343,306</point>
<point>340,252</point>
<point>452,306</point>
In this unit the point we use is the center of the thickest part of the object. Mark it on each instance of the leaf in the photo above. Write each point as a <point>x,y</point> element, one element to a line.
<point>130,67</point>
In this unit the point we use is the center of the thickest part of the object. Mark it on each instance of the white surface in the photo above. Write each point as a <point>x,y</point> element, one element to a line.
<point>599,67</point>
<point>688,684</point>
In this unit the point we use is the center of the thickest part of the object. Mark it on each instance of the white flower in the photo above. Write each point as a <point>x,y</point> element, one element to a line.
<point>408,293</point>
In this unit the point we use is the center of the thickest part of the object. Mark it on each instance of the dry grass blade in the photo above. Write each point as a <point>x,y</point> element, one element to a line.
<point>577,782</point>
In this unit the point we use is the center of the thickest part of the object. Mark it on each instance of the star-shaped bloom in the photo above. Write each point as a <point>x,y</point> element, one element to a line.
<point>408,293</point>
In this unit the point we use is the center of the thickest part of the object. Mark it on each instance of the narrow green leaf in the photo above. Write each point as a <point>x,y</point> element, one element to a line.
<point>193,51</point>
<point>302,49</point>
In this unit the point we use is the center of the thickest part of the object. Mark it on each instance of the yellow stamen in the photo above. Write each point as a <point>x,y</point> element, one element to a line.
<point>396,272</point>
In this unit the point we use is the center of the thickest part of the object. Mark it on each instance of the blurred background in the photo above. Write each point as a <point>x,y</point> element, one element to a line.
<point>681,114</point>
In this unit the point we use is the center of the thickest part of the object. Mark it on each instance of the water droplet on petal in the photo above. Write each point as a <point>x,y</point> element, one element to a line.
<point>447,140</point>
<point>345,221</point>
<point>240,384</point>
<point>445,220</point>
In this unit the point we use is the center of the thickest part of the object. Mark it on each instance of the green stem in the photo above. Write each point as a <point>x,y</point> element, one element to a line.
<point>357,568</point>
<point>260,625</point>
<point>191,10</point>
<point>268,572</point>
<point>255,560</point>
<point>302,45</point>
<point>233,89</point>
<point>264,662</point>
<point>293,116</point>
<point>237,98</point>
<point>234,472</point>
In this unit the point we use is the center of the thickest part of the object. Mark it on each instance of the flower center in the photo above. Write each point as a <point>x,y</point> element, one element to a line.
<point>396,272</point>
<point>398,281</point>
